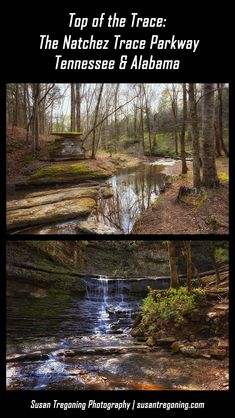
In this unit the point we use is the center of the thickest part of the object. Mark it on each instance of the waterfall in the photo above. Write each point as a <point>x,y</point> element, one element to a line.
<point>111,307</point>
<point>104,320</point>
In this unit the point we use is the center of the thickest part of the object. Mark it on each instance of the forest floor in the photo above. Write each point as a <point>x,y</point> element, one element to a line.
<point>204,212</point>
<point>20,164</point>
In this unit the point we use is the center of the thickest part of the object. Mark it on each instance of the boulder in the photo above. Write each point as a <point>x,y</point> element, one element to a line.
<point>137,320</point>
<point>166,341</point>
<point>137,332</point>
<point>91,226</point>
<point>175,347</point>
<point>107,192</point>
<point>151,342</point>
<point>189,350</point>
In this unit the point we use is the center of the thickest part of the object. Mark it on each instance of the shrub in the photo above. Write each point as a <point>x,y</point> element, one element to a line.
<point>171,305</point>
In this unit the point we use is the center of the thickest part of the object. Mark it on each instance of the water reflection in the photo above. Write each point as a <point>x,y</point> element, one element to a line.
<point>134,190</point>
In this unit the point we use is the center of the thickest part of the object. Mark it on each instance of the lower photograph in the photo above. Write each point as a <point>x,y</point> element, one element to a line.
<point>117,315</point>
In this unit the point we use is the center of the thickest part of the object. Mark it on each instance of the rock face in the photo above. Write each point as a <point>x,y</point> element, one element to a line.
<point>31,270</point>
<point>51,206</point>
<point>67,147</point>
<point>91,226</point>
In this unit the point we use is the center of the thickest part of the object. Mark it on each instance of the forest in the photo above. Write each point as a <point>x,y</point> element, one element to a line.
<point>136,152</point>
<point>117,315</point>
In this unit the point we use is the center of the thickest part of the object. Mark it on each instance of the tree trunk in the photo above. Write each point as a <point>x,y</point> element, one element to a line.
<point>213,245</point>
<point>217,141</point>
<point>16,109</point>
<point>188,254</point>
<point>195,136</point>
<point>210,178</point>
<point>148,120</point>
<point>220,119</point>
<point>25,113</point>
<point>182,136</point>
<point>93,153</point>
<point>174,283</point>
<point>78,107</point>
<point>73,107</point>
<point>116,131</point>
<point>35,118</point>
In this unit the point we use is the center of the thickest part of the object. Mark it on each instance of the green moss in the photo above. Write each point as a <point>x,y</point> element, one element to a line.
<point>56,170</point>
<point>69,170</point>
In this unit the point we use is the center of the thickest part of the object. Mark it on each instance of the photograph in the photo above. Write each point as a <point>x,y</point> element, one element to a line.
<point>105,159</point>
<point>143,315</point>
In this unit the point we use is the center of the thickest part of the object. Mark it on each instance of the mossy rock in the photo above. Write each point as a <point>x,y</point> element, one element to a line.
<point>67,173</point>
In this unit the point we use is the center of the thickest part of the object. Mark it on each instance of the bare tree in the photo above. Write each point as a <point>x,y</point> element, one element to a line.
<point>93,152</point>
<point>182,136</point>
<point>220,87</point>
<point>210,178</point>
<point>73,107</point>
<point>195,135</point>
<point>174,283</point>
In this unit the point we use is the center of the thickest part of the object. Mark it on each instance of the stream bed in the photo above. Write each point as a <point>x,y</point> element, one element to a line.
<point>83,342</point>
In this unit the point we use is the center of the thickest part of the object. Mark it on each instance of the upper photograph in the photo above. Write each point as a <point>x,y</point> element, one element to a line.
<point>117,158</point>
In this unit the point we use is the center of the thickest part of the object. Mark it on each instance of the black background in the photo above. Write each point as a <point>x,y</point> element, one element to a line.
<point>22,61</point>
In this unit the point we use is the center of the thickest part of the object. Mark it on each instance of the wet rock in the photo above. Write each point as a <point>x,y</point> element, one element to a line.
<point>137,320</point>
<point>166,342</point>
<point>137,332</point>
<point>91,226</point>
<point>141,339</point>
<point>151,342</point>
<point>35,356</point>
<point>116,309</point>
<point>54,207</point>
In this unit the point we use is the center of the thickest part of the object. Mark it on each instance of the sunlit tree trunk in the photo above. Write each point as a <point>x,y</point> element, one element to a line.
<point>210,178</point>
<point>174,283</point>
<point>73,103</point>
<point>182,136</point>
<point>195,136</point>
<point>188,254</point>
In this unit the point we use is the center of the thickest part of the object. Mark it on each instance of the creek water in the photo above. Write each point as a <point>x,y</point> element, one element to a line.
<point>63,342</point>
<point>100,319</point>
<point>133,190</point>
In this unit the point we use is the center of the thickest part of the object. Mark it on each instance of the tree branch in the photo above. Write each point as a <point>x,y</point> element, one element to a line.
<point>105,117</point>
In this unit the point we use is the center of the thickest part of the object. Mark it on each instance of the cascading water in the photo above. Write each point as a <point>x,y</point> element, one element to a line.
<point>111,304</point>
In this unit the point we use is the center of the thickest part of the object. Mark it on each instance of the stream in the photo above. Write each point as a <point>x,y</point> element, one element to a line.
<point>57,341</point>
<point>133,190</point>
<point>79,342</point>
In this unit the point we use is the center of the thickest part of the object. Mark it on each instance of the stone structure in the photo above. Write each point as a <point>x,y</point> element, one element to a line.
<point>67,146</point>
